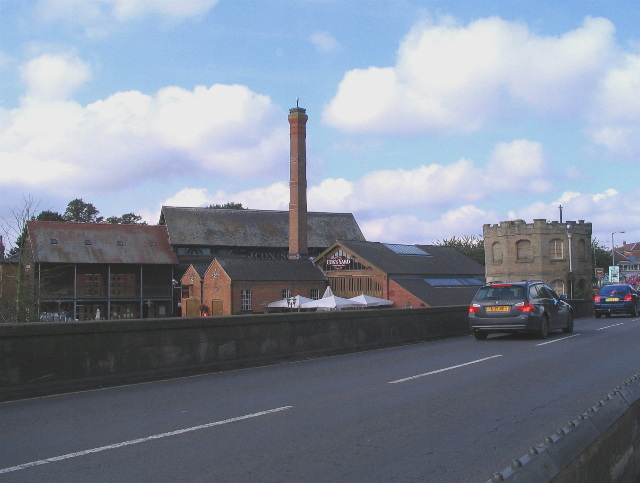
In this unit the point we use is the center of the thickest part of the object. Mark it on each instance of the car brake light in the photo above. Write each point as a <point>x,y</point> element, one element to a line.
<point>473,308</point>
<point>628,297</point>
<point>597,298</point>
<point>525,307</point>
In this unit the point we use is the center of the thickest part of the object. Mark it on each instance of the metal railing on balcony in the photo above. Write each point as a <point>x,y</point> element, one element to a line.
<point>121,292</point>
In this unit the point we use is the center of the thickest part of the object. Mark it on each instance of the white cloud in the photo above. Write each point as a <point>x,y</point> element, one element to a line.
<point>96,17</point>
<point>456,78</point>
<point>467,220</point>
<point>53,77</point>
<point>388,191</point>
<point>615,117</point>
<point>189,197</point>
<point>171,9</point>
<point>221,131</point>
<point>324,42</point>
<point>272,197</point>
<point>121,10</point>
<point>518,165</point>
<point>595,208</point>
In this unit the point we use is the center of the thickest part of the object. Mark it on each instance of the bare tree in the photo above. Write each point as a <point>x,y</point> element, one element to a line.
<point>18,298</point>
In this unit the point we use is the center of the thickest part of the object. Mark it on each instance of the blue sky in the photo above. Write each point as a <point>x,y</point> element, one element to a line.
<point>427,119</point>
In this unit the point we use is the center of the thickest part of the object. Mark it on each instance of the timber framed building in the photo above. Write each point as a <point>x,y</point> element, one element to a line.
<point>100,271</point>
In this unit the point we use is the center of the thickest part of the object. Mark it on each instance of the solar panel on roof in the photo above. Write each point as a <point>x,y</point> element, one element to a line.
<point>452,282</point>
<point>406,249</point>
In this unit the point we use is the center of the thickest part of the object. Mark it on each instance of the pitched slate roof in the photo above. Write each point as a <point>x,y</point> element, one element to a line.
<point>437,275</point>
<point>62,242</point>
<point>252,228</point>
<point>445,261</point>
<point>437,296</point>
<point>241,269</point>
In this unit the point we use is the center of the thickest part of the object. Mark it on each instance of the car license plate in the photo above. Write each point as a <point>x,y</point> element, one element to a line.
<point>613,299</point>
<point>498,308</point>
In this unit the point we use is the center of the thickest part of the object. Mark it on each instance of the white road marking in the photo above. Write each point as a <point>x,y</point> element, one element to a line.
<point>558,340</point>
<point>138,440</point>
<point>445,369</point>
<point>609,326</point>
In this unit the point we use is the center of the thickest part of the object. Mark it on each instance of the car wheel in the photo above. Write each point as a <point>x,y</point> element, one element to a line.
<point>634,311</point>
<point>607,315</point>
<point>569,328</point>
<point>543,332</point>
<point>598,316</point>
<point>480,335</point>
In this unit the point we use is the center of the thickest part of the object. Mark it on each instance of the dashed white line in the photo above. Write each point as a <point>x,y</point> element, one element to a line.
<point>443,370</point>
<point>609,326</point>
<point>558,340</point>
<point>138,440</point>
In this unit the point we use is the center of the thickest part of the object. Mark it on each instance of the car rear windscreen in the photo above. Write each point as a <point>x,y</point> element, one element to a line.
<point>606,290</point>
<point>501,292</point>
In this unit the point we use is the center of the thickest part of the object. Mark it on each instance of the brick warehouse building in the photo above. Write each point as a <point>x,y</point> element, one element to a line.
<point>408,275</point>
<point>516,250</point>
<point>241,286</point>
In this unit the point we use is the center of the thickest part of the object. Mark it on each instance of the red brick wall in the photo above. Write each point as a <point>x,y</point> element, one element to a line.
<point>262,292</point>
<point>400,297</point>
<point>195,290</point>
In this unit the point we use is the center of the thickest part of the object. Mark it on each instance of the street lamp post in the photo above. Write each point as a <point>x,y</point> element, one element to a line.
<point>613,249</point>
<point>569,236</point>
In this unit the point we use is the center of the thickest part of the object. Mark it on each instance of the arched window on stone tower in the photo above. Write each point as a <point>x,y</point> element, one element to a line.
<point>558,287</point>
<point>582,250</point>
<point>556,249</point>
<point>496,253</point>
<point>523,250</point>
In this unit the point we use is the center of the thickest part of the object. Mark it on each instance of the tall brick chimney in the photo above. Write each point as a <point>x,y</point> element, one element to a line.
<point>298,242</point>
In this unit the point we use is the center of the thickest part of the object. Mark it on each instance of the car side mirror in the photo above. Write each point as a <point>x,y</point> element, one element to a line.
<point>563,297</point>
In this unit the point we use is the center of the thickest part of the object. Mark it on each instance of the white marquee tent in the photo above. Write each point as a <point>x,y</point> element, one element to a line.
<point>370,301</point>
<point>296,303</point>
<point>332,302</point>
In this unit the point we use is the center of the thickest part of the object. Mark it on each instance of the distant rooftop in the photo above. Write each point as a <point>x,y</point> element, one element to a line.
<point>252,228</point>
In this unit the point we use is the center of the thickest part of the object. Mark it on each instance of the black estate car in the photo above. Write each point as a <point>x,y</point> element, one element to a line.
<point>616,299</point>
<point>530,306</point>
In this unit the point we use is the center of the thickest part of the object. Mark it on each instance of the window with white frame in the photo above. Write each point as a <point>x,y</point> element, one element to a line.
<point>558,287</point>
<point>315,293</point>
<point>245,300</point>
<point>556,249</point>
<point>286,293</point>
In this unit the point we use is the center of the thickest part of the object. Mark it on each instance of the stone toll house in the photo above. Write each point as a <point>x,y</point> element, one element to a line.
<point>560,254</point>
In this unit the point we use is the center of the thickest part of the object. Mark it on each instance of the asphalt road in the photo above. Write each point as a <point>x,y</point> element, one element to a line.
<point>456,410</point>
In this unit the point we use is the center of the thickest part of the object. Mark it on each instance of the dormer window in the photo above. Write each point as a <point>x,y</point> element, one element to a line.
<point>54,241</point>
<point>87,242</point>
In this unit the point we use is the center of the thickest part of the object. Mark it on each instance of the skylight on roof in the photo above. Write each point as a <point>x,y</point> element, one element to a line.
<point>406,249</point>
<point>453,282</point>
